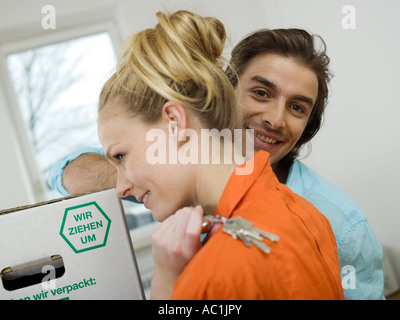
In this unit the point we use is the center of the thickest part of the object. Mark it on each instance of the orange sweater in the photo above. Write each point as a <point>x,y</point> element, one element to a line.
<point>303,264</point>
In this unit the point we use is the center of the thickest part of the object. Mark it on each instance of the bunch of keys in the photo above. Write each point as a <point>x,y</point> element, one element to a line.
<point>240,228</point>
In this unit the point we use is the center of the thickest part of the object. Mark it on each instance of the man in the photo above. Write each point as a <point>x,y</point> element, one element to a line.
<point>283,87</point>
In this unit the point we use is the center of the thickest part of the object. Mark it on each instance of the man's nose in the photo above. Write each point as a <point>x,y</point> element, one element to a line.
<point>275,115</point>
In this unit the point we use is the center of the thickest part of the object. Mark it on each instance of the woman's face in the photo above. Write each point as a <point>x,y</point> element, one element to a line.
<point>163,188</point>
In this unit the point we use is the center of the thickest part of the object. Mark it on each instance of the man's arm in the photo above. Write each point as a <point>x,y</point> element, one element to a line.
<point>88,173</point>
<point>86,170</point>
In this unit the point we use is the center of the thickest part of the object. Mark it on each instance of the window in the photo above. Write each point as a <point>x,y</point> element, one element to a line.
<point>57,86</point>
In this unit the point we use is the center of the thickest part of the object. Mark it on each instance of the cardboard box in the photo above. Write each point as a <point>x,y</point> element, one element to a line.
<point>70,248</point>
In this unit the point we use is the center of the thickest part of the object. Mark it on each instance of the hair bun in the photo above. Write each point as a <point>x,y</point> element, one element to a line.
<point>188,31</point>
<point>180,60</point>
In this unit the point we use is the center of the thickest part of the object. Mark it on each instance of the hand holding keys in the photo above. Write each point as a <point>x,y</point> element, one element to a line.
<point>240,228</point>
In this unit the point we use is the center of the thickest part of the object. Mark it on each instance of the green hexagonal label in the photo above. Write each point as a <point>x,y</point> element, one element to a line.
<point>85,227</point>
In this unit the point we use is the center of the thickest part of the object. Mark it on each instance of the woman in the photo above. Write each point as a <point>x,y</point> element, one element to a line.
<point>170,83</point>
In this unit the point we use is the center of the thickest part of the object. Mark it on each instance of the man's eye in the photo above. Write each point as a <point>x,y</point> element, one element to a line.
<point>261,93</point>
<point>297,108</point>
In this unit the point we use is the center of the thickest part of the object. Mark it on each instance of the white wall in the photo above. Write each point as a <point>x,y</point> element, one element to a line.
<point>358,146</point>
<point>14,189</point>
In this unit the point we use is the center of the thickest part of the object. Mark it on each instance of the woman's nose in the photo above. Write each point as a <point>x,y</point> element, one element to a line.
<point>124,186</point>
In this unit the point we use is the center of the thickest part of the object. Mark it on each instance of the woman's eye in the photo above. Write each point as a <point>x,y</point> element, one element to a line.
<point>119,157</point>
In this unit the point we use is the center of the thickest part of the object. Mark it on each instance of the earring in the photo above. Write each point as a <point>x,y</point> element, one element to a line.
<point>172,127</point>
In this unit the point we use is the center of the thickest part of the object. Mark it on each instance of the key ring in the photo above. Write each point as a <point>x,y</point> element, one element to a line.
<point>210,221</point>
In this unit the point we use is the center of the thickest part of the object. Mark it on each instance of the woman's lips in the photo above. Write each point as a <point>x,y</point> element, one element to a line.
<point>143,197</point>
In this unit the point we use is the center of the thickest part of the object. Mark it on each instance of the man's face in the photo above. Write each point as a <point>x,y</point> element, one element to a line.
<point>278,95</point>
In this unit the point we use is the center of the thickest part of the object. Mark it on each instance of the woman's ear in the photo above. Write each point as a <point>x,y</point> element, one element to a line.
<point>175,117</point>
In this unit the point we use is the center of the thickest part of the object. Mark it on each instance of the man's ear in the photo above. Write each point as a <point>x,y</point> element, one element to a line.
<point>175,117</point>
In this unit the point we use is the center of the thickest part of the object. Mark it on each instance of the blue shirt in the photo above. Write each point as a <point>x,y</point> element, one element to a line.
<point>360,253</point>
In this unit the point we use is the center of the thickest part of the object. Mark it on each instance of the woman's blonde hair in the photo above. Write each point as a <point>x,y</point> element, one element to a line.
<point>179,60</point>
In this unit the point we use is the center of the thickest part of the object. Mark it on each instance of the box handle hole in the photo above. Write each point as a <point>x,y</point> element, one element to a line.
<point>31,273</point>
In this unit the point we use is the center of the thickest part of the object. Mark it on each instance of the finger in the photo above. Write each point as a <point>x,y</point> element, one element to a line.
<point>178,240</point>
<point>195,221</point>
<point>163,230</point>
<point>214,229</point>
<point>163,238</point>
<point>193,230</point>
